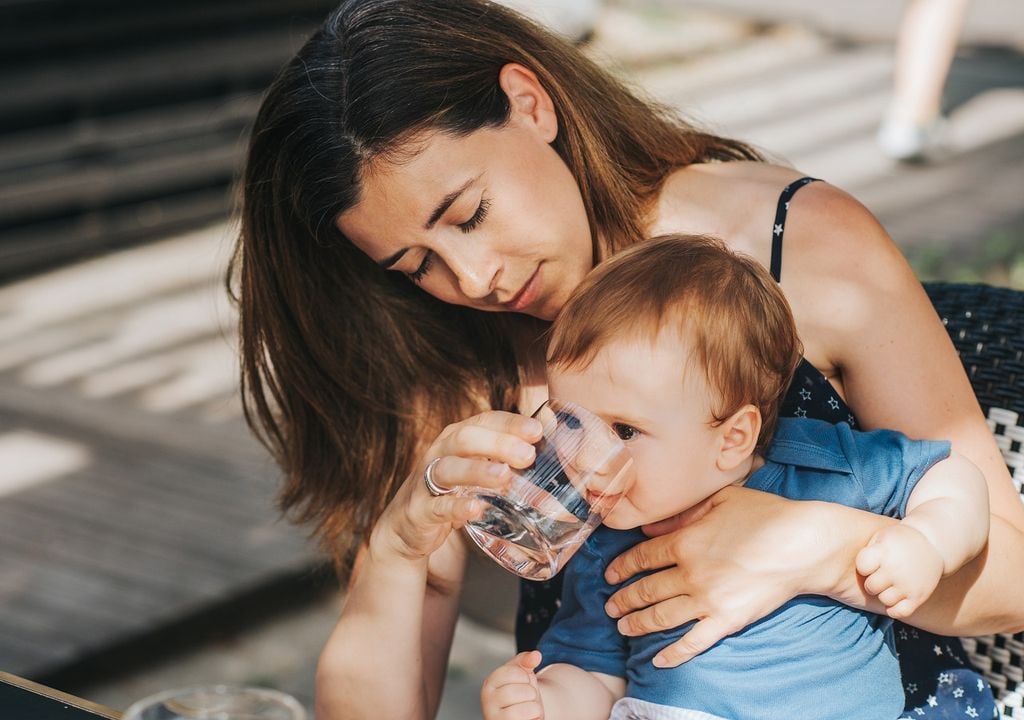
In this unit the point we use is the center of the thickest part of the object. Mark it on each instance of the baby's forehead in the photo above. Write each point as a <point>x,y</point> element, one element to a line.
<point>632,350</point>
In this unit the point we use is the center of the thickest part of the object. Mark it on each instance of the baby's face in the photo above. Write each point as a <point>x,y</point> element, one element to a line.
<point>660,406</point>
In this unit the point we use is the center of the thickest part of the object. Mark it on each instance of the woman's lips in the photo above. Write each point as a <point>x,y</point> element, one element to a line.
<point>527,295</point>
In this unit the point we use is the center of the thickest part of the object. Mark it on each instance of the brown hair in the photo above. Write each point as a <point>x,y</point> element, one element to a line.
<point>346,367</point>
<point>725,304</point>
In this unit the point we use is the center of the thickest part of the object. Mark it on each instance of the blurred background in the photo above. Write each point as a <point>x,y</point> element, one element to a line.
<point>139,545</point>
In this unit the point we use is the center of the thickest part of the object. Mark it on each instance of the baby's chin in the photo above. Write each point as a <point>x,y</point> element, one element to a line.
<point>619,522</point>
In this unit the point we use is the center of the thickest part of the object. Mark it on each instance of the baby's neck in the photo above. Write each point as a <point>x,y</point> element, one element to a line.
<point>748,468</point>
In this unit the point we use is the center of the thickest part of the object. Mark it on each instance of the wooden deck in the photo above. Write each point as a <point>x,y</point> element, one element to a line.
<point>125,509</point>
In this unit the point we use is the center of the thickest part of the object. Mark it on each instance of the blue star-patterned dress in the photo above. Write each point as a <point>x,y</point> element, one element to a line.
<point>939,682</point>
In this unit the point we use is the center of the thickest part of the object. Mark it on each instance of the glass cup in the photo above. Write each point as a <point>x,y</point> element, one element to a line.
<point>581,470</point>
<point>217,702</point>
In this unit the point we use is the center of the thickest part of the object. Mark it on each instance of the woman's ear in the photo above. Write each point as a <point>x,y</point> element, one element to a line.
<point>529,101</point>
<point>738,435</point>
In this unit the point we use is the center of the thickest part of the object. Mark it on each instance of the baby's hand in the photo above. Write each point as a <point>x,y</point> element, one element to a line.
<point>511,692</point>
<point>901,567</point>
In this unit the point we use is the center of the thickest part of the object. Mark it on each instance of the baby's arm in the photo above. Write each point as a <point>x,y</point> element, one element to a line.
<point>558,692</point>
<point>946,525</point>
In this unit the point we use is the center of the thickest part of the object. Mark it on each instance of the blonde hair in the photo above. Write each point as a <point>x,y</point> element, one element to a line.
<point>725,304</point>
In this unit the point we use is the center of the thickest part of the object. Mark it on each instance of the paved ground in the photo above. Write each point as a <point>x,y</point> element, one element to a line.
<point>807,95</point>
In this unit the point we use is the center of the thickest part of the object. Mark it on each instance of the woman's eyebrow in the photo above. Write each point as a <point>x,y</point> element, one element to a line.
<point>446,202</point>
<point>392,259</point>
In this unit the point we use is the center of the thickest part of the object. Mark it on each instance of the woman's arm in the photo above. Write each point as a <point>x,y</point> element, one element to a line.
<point>387,655</point>
<point>863,312</point>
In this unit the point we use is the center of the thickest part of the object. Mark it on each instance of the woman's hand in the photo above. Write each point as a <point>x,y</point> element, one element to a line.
<point>727,562</point>
<point>477,452</point>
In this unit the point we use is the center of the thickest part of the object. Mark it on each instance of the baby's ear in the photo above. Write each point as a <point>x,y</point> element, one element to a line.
<point>738,435</point>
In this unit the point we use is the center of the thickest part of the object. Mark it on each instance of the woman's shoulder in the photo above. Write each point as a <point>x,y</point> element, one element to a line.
<point>738,201</point>
<point>829,233</point>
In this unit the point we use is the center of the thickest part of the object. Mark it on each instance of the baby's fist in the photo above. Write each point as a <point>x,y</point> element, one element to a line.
<point>511,692</point>
<point>901,568</point>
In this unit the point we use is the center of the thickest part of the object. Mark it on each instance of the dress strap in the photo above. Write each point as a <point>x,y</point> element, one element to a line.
<point>780,223</point>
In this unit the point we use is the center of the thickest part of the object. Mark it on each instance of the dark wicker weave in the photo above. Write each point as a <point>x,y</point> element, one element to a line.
<point>987,327</point>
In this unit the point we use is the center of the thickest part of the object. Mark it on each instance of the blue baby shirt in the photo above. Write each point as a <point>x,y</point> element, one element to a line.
<point>811,658</point>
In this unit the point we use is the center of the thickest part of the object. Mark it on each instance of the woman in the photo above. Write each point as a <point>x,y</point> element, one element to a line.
<point>427,182</point>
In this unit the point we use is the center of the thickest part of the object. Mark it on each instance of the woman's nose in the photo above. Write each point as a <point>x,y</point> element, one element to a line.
<point>476,272</point>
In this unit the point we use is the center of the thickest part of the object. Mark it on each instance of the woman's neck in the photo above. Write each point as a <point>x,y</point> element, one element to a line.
<point>691,202</point>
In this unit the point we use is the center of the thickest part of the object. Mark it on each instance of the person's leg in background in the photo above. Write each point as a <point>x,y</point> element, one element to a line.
<point>927,41</point>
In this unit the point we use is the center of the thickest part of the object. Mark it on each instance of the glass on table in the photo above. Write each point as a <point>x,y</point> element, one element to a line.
<point>217,702</point>
<point>581,470</point>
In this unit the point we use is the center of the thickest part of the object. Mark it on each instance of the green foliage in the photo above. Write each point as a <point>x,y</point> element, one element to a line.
<point>998,261</point>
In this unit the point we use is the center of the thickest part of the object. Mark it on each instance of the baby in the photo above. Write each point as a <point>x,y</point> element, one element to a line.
<point>686,348</point>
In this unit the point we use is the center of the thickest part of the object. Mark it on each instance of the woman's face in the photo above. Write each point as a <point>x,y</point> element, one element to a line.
<point>492,220</point>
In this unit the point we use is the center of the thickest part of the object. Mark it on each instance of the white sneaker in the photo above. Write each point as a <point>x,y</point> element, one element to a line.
<point>912,143</point>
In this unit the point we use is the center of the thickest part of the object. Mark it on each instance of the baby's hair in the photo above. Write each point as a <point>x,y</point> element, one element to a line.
<point>725,305</point>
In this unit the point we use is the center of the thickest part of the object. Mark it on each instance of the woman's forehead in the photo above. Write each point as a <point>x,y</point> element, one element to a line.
<point>402,189</point>
<point>428,161</point>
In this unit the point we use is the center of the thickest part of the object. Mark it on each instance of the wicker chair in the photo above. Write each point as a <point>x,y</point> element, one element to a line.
<point>987,328</point>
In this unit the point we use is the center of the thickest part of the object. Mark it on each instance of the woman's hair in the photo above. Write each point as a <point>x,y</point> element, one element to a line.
<point>722,304</point>
<point>347,368</point>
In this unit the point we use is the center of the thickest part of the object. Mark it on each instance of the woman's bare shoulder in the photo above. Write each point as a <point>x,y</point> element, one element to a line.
<point>828,231</point>
<point>734,200</point>
<point>840,270</point>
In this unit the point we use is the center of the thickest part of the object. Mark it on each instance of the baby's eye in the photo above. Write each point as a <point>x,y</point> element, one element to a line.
<point>569,420</point>
<point>625,432</point>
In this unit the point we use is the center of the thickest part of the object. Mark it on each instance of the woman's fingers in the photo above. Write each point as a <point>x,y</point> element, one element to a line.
<point>660,615</point>
<point>478,452</point>
<point>687,517</point>
<point>472,440</point>
<point>453,509</point>
<point>643,593</point>
<point>453,471</point>
<point>701,636</point>
<point>649,555</point>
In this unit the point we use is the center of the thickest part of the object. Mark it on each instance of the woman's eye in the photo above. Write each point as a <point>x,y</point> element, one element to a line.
<point>478,216</point>
<point>625,432</point>
<point>569,420</point>
<point>417,274</point>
